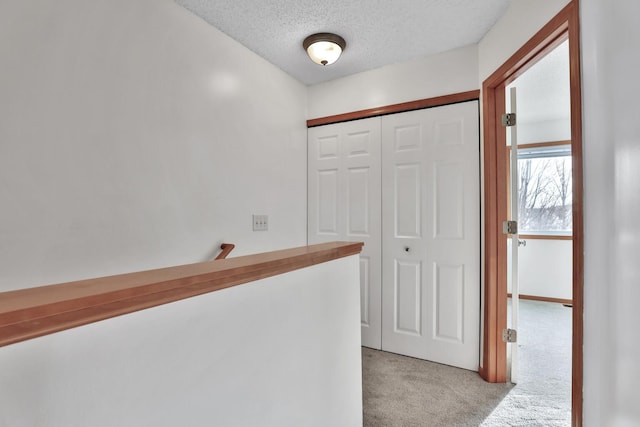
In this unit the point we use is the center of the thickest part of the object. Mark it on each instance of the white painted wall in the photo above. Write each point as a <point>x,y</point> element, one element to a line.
<point>282,351</point>
<point>544,131</point>
<point>522,20</point>
<point>91,90</point>
<point>544,268</point>
<point>133,135</point>
<point>610,60</point>
<point>442,74</point>
<point>609,35</point>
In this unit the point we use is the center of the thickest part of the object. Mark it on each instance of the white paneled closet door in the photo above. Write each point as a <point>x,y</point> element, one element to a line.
<point>344,204</point>
<point>431,234</point>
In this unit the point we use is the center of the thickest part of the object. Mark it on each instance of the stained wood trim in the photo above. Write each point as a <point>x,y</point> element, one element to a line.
<point>578,215</point>
<point>496,211</point>
<point>496,194</point>
<point>544,237</point>
<point>33,312</point>
<point>396,108</point>
<point>545,299</point>
<point>543,144</point>
<point>565,25</point>
<point>226,249</point>
<point>544,41</point>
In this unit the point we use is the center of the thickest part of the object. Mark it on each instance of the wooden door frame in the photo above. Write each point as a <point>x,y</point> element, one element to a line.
<point>565,25</point>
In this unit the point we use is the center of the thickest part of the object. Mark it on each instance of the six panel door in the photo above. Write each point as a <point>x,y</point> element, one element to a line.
<point>431,234</point>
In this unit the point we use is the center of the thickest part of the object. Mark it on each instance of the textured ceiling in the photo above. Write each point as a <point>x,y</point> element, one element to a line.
<point>378,32</point>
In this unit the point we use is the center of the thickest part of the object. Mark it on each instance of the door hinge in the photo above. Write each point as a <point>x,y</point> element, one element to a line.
<point>510,227</point>
<point>509,335</point>
<point>509,119</point>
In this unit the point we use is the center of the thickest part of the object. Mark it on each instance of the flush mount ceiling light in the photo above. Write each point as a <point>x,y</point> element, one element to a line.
<point>324,48</point>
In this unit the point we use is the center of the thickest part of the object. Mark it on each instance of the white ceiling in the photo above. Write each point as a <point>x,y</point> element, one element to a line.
<point>378,32</point>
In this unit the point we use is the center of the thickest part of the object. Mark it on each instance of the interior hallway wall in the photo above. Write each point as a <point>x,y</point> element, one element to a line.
<point>522,20</point>
<point>435,75</point>
<point>234,357</point>
<point>133,135</point>
<point>611,139</point>
<point>610,60</point>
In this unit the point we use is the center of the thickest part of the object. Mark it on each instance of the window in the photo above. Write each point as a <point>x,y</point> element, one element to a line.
<point>545,190</point>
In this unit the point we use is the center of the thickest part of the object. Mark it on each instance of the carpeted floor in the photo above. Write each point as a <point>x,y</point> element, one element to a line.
<point>403,391</point>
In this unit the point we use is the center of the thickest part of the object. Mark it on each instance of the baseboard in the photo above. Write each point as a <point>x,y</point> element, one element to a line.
<point>546,299</point>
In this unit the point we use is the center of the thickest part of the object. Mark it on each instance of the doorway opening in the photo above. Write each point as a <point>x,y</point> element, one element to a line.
<point>561,29</point>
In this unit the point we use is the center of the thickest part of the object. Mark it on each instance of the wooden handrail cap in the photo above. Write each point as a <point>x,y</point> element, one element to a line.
<point>33,312</point>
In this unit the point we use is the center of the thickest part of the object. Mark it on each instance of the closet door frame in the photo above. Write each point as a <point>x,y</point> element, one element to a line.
<point>439,101</point>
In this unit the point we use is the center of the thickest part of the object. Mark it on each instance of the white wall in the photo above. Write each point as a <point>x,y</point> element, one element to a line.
<point>610,60</point>
<point>282,351</point>
<point>544,268</point>
<point>435,75</point>
<point>133,135</point>
<point>85,90</point>
<point>544,131</point>
<point>522,20</point>
<point>609,36</point>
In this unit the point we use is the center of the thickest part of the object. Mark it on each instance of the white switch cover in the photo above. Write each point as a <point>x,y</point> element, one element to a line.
<point>260,222</point>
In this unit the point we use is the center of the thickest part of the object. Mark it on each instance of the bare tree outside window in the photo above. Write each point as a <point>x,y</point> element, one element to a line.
<point>544,194</point>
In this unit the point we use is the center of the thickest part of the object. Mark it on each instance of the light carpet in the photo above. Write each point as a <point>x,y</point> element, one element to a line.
<point>403,391</point>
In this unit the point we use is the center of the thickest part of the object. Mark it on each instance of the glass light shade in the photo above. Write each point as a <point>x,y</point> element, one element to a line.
<point>324,53</point>
<point>324,48</point>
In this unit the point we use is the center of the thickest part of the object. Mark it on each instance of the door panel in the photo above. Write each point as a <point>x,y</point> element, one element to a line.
<point>407,201</point>
<point>407,138</point>
<point>327,202</point>
<point>365,291</point>
<point>408,287</point>
<point>358,206</point>
<point>448,200</point>
<point>448,304</point>
<point>344,204</point>
<point>431,234</point>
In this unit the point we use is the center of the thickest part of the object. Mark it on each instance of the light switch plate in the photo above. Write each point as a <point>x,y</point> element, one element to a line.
<point>260,222</point>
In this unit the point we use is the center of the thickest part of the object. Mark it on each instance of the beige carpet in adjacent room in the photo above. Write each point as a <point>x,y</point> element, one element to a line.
<point>401,391</point>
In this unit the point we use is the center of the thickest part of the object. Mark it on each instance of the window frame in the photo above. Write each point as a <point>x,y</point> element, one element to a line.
<point>560,235</point>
